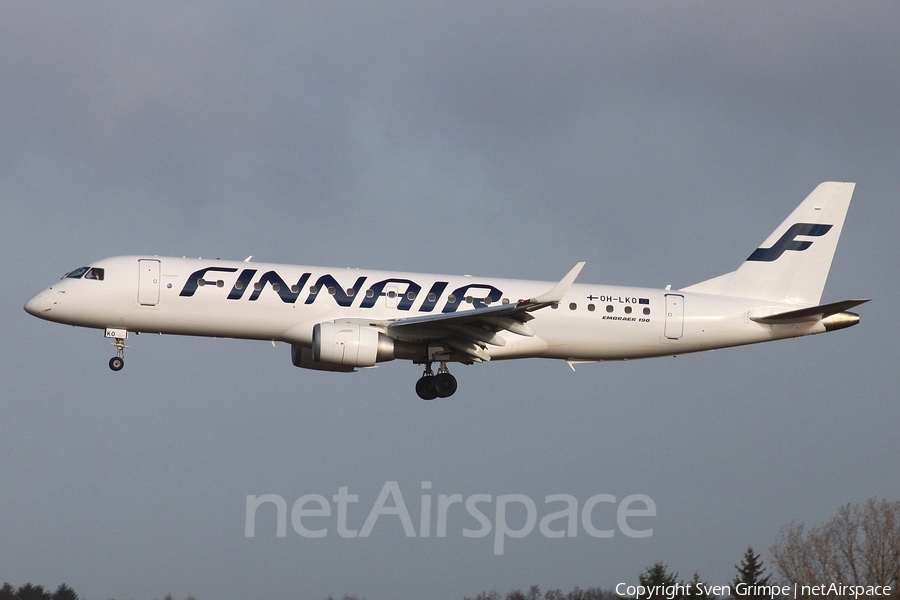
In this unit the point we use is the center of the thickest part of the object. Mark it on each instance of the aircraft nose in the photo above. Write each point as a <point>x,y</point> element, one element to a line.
<point>37,305</point>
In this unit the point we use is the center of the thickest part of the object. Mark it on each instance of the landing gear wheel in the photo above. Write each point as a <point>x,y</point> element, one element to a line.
<point>118,361</point>
<point>431,386</point>
<point>444,385</point>
<point>425,387</point>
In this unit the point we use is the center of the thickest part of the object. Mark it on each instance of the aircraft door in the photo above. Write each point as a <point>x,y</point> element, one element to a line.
<point>674,316</point>
<point>148,282</point>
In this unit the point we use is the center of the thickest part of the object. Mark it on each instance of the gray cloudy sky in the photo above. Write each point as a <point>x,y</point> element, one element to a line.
<point>660,142</point>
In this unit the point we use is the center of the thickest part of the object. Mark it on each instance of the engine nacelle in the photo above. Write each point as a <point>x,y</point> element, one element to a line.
<point>302,356</point>
<point>350,345</point>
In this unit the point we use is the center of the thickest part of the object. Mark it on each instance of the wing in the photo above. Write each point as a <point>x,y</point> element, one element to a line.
<point>470,332</point>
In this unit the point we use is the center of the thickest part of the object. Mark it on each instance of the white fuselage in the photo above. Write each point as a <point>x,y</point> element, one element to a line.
<point>230,299</point>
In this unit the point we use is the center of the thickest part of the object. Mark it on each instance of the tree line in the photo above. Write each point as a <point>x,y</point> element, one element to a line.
<point>858,547</point>
<point>656,577</point>
<point>37,592</point>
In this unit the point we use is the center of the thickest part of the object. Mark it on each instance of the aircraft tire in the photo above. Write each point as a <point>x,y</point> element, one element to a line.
<point>425,388</point>
<point>444,385</point>
<point>116,363</point>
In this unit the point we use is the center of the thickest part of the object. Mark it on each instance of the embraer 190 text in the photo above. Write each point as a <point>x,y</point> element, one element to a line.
<point>341,320</point>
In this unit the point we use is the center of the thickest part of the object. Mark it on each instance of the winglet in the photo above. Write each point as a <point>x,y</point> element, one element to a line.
<point>557,293</point>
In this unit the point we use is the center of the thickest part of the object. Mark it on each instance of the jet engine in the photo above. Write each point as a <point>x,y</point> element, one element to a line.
<point>302,357</point>
<point>345,345</point>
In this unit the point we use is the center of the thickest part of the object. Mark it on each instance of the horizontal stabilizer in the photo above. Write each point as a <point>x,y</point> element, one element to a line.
<point>813,313</point>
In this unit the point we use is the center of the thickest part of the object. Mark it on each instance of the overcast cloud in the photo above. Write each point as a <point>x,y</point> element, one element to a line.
<point>659,142</point>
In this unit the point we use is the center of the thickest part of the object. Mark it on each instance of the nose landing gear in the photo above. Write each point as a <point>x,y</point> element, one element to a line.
<point>117,362</point>
<point>431,386</point>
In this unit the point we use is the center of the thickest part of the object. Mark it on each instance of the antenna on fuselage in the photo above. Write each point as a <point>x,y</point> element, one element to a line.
<point>248,258</point>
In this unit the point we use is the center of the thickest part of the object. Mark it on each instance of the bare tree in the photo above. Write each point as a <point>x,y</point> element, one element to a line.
<point>859,546</point>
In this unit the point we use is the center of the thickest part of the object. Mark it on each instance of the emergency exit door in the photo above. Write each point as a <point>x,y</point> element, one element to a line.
<point>148,282</point>
<point>674,316</point>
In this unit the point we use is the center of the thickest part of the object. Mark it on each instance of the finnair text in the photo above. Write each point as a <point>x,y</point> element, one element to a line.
<point>315,516</point>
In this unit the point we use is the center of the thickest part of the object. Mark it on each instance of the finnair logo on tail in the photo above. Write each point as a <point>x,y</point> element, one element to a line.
<point>787,241</point>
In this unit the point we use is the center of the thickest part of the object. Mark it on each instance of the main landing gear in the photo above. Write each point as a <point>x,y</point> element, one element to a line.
<point>431,386</point>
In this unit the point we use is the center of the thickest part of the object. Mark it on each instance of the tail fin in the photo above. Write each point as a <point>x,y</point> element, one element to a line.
<point>792,264</point>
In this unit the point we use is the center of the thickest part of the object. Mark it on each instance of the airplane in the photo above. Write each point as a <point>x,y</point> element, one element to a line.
<point>342,320</point>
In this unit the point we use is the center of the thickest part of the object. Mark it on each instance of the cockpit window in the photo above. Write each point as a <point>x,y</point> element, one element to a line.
<point>85,272</point>
<point>77,273</point>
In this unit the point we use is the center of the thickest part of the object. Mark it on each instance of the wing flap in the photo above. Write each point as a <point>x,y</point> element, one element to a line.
<point>480,325</point>
<point>471,349</point>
